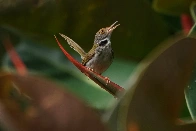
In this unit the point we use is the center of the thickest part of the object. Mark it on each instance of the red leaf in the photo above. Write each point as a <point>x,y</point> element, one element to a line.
<point>102,81</point>
<point>15,58</point>
<point>186,22</point>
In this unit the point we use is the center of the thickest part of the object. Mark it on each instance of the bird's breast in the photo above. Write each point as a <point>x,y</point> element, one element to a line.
<point>101,60</point>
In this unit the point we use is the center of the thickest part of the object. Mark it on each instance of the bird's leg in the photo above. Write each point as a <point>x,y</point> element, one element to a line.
<point>89,68</point>
<point>107,80</point>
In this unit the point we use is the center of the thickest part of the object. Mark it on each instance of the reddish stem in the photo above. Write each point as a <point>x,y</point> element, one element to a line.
<point>186,22</point>
<point>15,58</point>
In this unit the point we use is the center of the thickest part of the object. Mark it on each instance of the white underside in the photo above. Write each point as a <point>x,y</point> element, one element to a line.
<point>102,59</point>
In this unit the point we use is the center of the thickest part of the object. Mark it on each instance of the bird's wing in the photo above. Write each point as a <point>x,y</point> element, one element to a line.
<point>75,46</point>
<point>89,55</point>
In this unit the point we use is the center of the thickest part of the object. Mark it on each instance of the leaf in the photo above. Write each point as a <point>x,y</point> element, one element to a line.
<point>193,10</point>
<point>172,7</point>
<point>52,63</point>
<point>156,89</point>
<point>190,91</point>
<point>50,107</point>
<point>102,81</point>
<point>40,23</point>
<point>15,58</point>
<point>190,95</point>
<point>186,22</point>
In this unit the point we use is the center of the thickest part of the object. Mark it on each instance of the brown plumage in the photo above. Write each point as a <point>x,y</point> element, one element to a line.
<point>100,57</point>
<point>89,55</point>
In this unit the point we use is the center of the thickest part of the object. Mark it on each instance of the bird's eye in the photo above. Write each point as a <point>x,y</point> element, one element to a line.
<point>104,42</point>
<point>101,31</point>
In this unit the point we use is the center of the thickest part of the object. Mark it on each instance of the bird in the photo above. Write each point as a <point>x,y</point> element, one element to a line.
<point>101,55</point>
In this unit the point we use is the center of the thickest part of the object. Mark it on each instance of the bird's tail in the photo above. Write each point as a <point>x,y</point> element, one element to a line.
<point>75,46</point>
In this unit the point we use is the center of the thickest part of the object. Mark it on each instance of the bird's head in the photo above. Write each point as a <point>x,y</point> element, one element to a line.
<point>102,37</point>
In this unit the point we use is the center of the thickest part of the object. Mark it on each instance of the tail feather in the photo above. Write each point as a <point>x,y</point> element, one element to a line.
<point>75,46</point>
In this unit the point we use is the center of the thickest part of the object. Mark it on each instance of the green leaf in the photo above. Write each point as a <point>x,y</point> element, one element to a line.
<point>190,92</point>
<point>172,7</point>
<point>81,20</point>
<point>193,10</point>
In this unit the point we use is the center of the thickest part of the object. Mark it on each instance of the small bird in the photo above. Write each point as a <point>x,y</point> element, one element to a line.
<point>100,57</point>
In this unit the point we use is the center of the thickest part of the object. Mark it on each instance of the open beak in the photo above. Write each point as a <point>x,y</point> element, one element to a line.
<point>112,27</point>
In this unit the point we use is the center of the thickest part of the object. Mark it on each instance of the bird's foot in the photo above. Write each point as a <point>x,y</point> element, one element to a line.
<point>89,68</point>
<point>107,80</point>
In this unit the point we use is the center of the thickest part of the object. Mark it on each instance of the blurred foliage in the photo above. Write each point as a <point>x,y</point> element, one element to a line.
<point>191,90</point>
<point>50,107</point>
<point>155,93</point>
<point>193,10</point>
<point>53,64</point>
<point>31,24</point>
<point>80,20</point>
<point>156,90</point>
<point>172,7</point>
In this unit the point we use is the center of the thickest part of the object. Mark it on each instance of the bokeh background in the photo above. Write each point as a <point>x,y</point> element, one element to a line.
<point>144,24</point>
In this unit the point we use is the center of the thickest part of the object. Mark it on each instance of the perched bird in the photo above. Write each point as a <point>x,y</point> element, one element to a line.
<point>100,57</point>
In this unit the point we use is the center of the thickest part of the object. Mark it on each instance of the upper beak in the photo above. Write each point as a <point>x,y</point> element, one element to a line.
<point>112,27</point>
